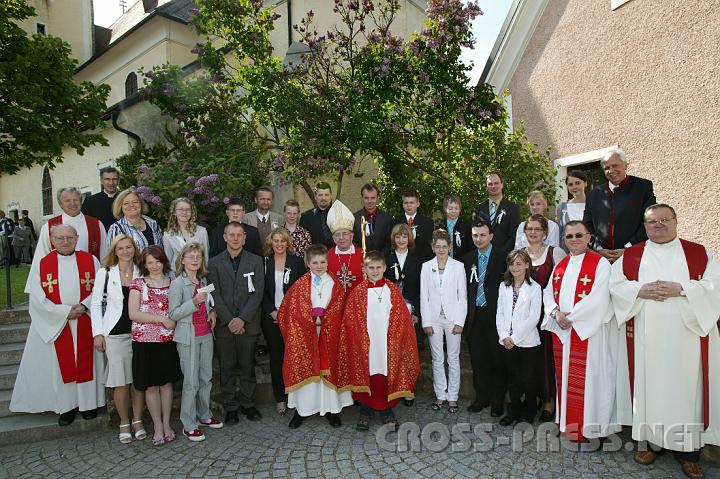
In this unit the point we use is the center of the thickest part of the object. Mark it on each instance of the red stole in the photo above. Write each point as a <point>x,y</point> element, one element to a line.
<point>93,229</point>
<point>346,268</point>
<point>73,369</point>
<point>403,365</point>
<point>575,408</point>
<point>309,358</point>
<point>696,258</point>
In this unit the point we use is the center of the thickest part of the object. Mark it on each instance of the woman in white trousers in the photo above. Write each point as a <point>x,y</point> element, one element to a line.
<point>443,307</point>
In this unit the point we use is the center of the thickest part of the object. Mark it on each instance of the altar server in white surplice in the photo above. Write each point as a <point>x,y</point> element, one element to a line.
<point>60,368</point>
<point>578,312</point>
<point>666,295</point>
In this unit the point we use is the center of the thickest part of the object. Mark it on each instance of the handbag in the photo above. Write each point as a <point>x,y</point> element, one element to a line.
<point>103,303</point>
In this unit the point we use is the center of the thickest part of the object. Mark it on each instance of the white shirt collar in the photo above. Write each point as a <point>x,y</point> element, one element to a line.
<point>349,251</point>
<point>407,217</point>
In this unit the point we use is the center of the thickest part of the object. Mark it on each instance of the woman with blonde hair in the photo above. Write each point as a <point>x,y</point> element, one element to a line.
<point>182,229</point>
<point>130,210</point>
<point>111,329</point>
<point>282,268</point>
<point>537,204</point>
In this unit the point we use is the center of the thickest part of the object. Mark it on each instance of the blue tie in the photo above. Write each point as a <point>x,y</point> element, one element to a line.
<point>482,268</point>
<point>317,280</point>
<point>493,210</point>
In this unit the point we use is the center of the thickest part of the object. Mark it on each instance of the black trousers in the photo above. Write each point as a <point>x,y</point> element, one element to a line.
<point>236,353</point>
<point>489,372</point>
<point>276,349</point>
<point>521,365</point>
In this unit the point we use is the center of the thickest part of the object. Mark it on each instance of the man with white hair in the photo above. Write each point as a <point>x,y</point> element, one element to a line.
<point>345,261</point>
<point>614,210</point>
<point>60,369</point>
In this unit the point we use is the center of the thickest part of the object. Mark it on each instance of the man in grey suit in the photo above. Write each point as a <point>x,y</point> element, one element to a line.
<point>261,217</point>
<point>238,277</point>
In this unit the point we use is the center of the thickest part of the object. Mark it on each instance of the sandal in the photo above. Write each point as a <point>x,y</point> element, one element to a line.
<point>140,434</point>
<point>363,423</point>
<point>438,405</point>
<point>453,407</point>
<point>125,437</point>
<point>169,437</point>
<point>281,408</point>
<point>158,441</point>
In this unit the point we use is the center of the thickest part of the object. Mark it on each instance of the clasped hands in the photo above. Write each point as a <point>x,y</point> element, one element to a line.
<point>237,326</point>
<point>660,290</point>
<point>76,311</point>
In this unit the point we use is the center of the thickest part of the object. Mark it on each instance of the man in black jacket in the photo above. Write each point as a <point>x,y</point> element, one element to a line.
<point>614,210</point>
<point>484,269</point>
<point>457,228</point>
<point>100,204</point>
<point>315,219</point>
<point>420,225</point>
<point>235,211</point>
<point>502,214</point>
<point>377,222</point>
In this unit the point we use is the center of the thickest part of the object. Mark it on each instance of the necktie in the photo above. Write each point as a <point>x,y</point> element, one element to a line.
<point>410,222</point>
<point>493,210</point>
<point>317,280</point>
<point>482,269</point>
<point>264,220</point>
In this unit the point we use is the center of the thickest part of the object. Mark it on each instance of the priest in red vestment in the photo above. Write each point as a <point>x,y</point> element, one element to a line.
<point>310,318</point>
<point>377,354</point>
<point>345,261</point>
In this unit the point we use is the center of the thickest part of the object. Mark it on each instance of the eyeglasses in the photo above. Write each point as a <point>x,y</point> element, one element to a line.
<point>192,257</point>
<point>64,238</point>
<point>343,234</point>
<point>576,236</point>
<point>662,221</point>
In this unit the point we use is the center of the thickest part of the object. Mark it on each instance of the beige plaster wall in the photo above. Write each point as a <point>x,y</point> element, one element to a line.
<point>70,20</point>
<point>644,76</point>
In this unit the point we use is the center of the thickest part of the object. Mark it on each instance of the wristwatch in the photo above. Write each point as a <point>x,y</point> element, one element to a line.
<point>553,313</point>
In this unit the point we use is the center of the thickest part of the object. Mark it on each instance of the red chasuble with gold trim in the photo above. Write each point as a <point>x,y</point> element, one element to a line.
<point>346,268</point>
<point>575,407</point>
<point>93,229</point>
<point>696,259</point>
<point>403,365</point>
<point>73,367</point>
<point>309,358</point>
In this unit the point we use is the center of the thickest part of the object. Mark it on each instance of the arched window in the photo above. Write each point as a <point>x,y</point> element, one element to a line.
<point>47,193</point>
<point>131,86</point>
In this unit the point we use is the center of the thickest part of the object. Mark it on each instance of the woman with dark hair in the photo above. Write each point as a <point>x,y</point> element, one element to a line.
<point>574,208</point>
<point>155,364</point>
<point>282,268</point>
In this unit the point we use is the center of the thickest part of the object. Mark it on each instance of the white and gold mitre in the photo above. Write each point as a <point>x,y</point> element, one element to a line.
<point>340,217</point>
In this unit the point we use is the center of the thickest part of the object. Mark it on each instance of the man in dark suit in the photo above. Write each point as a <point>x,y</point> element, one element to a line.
<point>484,269</point>
<point>235,211</point>
<point>614,210</point>
<point>502,214</point>
<point>100,204</point>
<point>315,219</point>
<point>457,228</point>
<point>377,222</point>
<point>421,226</point>
<point>239,278</point>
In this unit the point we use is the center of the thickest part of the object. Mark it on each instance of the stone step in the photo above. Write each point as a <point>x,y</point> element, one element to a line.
<point>5,396</point>
<point>21,428</point>
<point>8,375</point>
<point>11,353</point>
<point>14,332</point>
<point>14,316</point>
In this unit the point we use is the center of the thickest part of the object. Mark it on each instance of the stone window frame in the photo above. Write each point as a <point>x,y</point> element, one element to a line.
<point>565,164</point>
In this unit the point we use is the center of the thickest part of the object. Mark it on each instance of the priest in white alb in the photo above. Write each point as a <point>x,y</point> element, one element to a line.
<point>666,296</point>
<point>60,369</point>
<point>578,313</point>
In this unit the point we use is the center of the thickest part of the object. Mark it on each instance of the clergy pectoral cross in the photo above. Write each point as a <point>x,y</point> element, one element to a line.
<point>557,277</point>
<point>582,295</point>
<point>49,283</point>
<point>585,280</point>
<point>87,281</point>
<point>346,277</point>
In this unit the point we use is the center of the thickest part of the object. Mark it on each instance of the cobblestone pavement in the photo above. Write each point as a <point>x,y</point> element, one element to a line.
<point>269,449</point>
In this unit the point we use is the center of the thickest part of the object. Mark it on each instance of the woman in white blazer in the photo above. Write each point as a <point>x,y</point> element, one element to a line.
<point>443,308</point>
<point>111,330</point>
<point>182,228</point>
<point>518,312</point>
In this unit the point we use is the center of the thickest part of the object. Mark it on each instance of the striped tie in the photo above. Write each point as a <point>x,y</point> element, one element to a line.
<point>493,210</point>
<point>482,268</point>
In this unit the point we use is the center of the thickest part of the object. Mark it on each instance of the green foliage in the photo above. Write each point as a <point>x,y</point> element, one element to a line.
<point>42,109</point>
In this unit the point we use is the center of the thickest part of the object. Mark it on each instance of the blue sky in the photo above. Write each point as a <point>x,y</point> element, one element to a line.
<point>485,28</point>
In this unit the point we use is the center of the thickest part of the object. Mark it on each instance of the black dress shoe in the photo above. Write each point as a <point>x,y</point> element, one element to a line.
<point>477,406</point>
<point>333,419</point>
<point>231,418</point>
<point>296,421</point>
<point>497,411</point>
<point>67,418</point>
<point>89,414</point>
<point>409,402</point>
<point>546,416</point>
<point>251,413</point>
<point>508,421</point>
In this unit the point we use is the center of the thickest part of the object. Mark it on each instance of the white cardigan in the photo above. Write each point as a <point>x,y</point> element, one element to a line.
<point>104,324</point>
<point>524,319</point>
<point>451,297</point>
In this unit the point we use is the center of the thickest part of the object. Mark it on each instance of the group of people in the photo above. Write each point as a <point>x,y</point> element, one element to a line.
<point>599,318</point>
<point>17,240</point>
